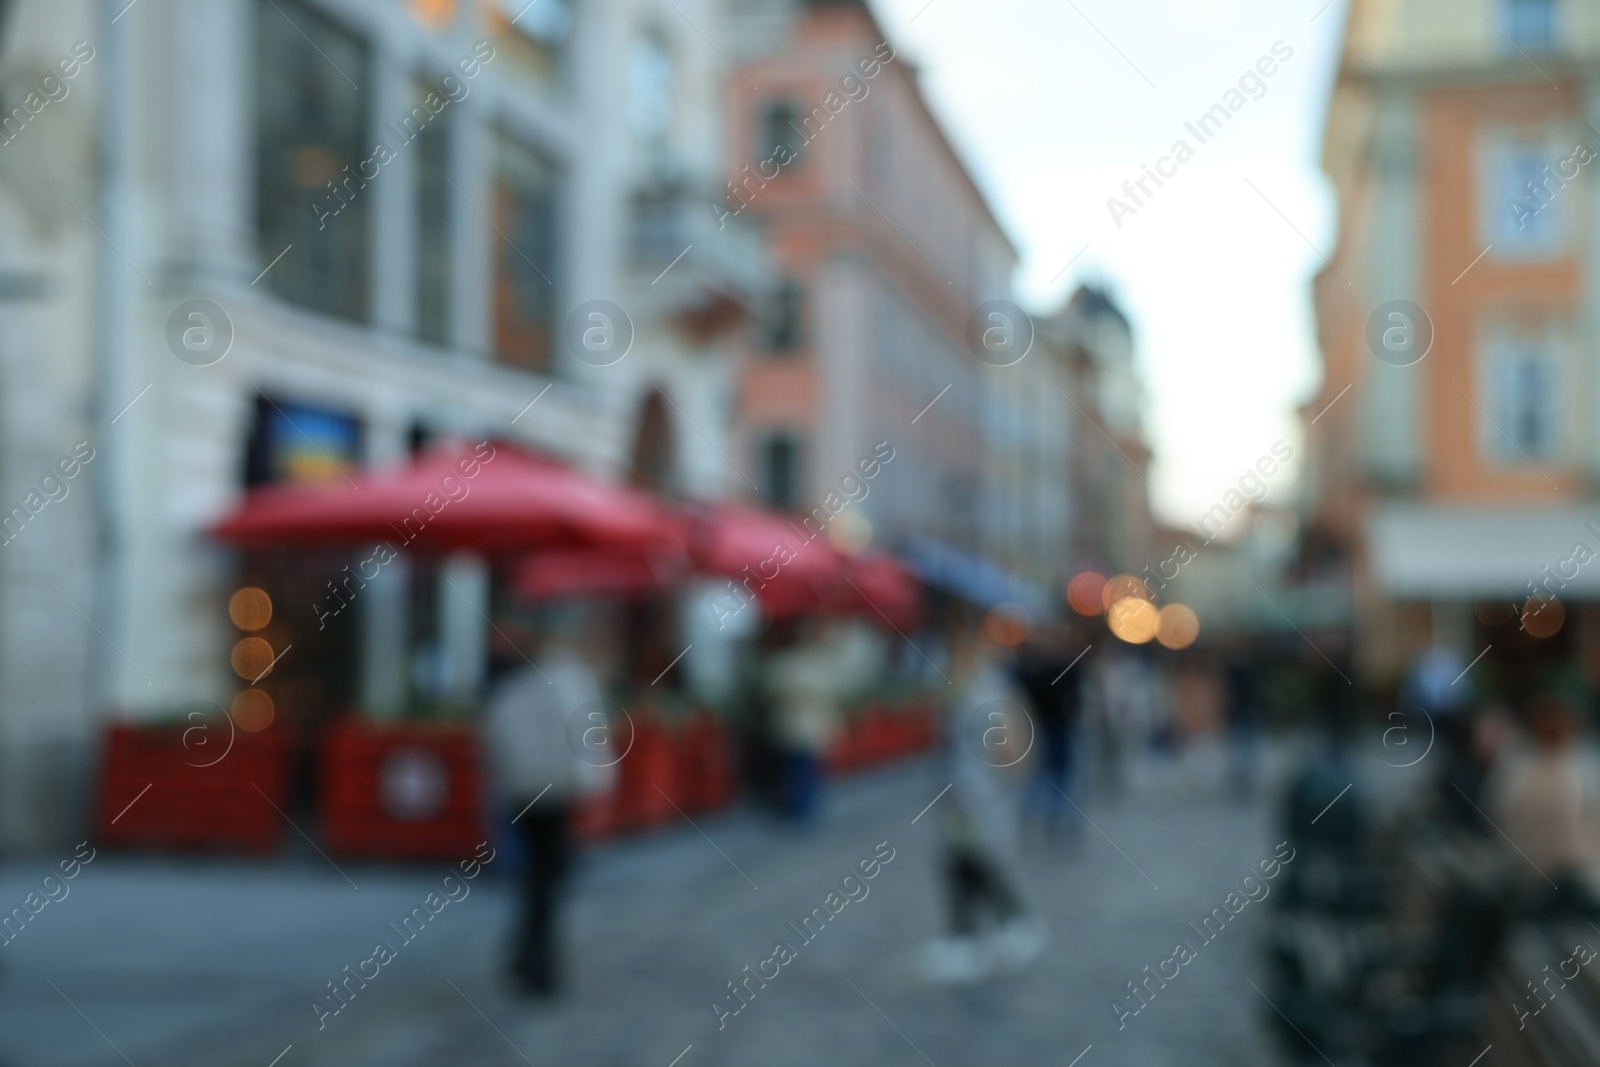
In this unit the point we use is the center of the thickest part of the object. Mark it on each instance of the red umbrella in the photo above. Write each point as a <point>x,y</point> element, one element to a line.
<point>490,497</point>
<point>788,567</point>
<point>624,572</point>
<point>883,590</point>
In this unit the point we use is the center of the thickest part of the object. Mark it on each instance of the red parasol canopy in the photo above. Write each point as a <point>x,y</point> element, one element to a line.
<point>790,568</point>
<point>883,590</point>
<point>490,497</point>
<point>623,572</point>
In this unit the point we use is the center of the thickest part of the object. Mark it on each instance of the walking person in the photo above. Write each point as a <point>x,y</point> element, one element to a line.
<point>806,678</point>
<point>1547,800</point>
<point>1043,671</point>
<point>549,744</point>
<point>986,741</point>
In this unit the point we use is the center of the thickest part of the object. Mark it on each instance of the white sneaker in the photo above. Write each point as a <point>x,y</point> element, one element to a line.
<point>1020,941</point>
<point>955,960</point>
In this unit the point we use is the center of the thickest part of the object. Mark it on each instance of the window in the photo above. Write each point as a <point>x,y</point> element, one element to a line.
<point>785,318</point>
<point>1524,197</point>
<point>313,160</point>
<point>533,36</point>
<point>436,206</point>
<point>779,126</point>
<point>1529,23</point>
<point>650,90</point>
<point>1525,405</point>
<point>525,256</point>
<point>780,471</point>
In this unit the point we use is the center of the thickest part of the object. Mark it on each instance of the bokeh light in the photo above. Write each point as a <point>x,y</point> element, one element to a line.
<point>1177,626</point>
<point>1543,616</point>
<point>850,533</point>
<point>252,711</point>
<point>1124,587</point>
<point>1134,620</point>
<point>1492,610</point>
<point>1003,628</point>
<point>250,608</point>
<point>251,658</point>
<point>1084,592</point>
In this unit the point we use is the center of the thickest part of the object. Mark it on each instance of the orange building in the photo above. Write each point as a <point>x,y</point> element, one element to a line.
<point>1453,443</point>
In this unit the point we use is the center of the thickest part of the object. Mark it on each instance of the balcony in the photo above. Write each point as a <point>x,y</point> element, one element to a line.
<point>687,268</point>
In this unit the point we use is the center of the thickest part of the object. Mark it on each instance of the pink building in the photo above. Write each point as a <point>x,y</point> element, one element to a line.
<point>887,251</point>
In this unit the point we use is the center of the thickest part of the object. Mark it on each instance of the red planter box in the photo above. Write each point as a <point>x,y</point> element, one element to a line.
<point>880,734</point>
<point>646,778</point>
<point>691,767</point>
<point>188,787</point>
<point>706,778</point>
<point>401,790</point>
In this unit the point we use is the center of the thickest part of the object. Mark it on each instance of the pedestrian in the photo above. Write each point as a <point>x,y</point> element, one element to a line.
<point>803,678</point>
<point>1243,719</point>
<point>549,745</point>
<point>986,742</point>
<point>1547,800</point>
<point>1044,672</point>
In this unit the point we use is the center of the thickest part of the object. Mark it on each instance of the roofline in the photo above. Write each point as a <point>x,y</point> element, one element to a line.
<point>824,8</point>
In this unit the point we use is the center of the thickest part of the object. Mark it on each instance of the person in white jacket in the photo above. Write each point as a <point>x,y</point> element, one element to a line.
<point>989,735</point>
<point>550,742</point>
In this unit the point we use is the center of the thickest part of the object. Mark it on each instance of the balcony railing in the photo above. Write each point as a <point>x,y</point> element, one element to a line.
<point>685,262</point>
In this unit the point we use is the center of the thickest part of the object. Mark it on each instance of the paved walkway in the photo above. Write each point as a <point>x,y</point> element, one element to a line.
<point>217,963</point>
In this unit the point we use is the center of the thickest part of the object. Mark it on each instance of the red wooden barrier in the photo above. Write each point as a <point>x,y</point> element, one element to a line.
<point>400,790</point>
<point>192,787</point>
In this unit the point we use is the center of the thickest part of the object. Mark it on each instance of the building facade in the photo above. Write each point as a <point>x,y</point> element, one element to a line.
<point>245,241</point>
<point>1453,456</point>
<point>890,263</point>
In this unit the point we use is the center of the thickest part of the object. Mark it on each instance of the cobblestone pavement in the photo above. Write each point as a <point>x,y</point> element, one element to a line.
<point>217,963</point>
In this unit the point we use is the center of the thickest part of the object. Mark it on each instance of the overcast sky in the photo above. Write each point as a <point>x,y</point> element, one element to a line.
<point>1055,103</point>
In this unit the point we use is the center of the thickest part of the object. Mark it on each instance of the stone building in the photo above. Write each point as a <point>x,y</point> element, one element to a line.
<point>264,240</point>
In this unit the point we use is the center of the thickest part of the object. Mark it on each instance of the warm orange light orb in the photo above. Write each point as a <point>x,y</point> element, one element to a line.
<point>1004,629</point>
<point>250,608</point>
<point>1123,587</point>
<point>1084,591</point>
<point>1177,626</point>
<point>252,711</point>
<point>1494,610</point>
<point>251,658</point>
<point>1543,616</point>
<point>1134,620</point>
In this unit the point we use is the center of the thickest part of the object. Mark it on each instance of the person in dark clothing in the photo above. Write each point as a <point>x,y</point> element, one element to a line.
<point>549,743</point>
<point>547,841</point>
<point>1043,672</point>
<point>1244,722</point>
<point>973,886</point>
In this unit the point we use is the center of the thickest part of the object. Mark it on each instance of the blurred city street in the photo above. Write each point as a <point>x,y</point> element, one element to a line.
<point>673,533</point>
<point>216,963</point>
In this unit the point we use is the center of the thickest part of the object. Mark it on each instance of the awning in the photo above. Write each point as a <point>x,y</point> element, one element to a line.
<point>882,590</point>
<point>973,579</point>
<point>600,572</point>
<point>491,498</point>
<point>788,571</point>
<point>1432,552</point>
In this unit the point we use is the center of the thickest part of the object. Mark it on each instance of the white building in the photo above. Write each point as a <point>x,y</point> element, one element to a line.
<point>392,215</point>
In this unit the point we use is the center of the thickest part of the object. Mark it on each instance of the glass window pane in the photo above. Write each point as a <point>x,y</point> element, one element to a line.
<point>436,206</point>
<point>525,256</point>
<point>1530,23</point>
<point>312,152</point>
<point>780,469</point>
